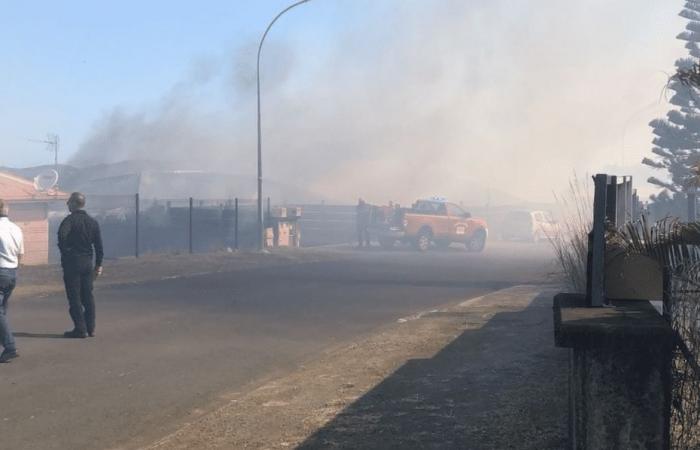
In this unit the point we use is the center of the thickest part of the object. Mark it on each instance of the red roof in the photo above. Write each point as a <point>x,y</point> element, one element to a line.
<point>14,188</point>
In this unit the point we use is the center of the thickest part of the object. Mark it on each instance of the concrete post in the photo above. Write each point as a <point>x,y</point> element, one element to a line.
<point>620,373</point>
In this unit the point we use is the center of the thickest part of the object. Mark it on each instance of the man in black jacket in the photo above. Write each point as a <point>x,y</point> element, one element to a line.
<point>77,236</point>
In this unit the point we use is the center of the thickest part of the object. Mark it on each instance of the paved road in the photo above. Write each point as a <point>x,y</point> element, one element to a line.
<point>166,349</point>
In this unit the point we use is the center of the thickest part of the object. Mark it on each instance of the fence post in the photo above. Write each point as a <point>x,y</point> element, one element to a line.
<point>611,199</point>
<point>597,294</point>
<point>189,231</point>
<point>235,227</point>
<point>629,200</point>
<point>136,237</point>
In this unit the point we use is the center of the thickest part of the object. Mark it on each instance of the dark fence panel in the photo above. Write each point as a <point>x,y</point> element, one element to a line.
<point>327,225</point>
<point>133,227</point>
<point>116,215</point>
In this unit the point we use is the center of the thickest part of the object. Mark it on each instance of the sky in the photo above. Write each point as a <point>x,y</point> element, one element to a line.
<point>374,98</point>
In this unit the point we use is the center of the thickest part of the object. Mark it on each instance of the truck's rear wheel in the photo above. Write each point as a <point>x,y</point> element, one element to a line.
<point>423,240</point>
<point>477,243</point>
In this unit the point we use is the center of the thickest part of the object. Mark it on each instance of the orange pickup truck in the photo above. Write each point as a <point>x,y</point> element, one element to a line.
<point>429,222</point>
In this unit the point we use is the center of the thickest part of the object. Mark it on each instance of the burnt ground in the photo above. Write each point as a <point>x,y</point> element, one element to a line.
<point>170,348</point>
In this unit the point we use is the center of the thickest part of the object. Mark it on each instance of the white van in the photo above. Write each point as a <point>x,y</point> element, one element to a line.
<point>533,226</point>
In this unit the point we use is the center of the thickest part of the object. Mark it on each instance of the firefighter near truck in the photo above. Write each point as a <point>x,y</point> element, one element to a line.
<point>429,222</point>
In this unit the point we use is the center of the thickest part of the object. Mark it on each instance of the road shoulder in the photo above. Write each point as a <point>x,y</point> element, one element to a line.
<point>481,374</point>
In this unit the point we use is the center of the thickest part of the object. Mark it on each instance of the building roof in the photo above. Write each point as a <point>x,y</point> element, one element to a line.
<point>14,188</point>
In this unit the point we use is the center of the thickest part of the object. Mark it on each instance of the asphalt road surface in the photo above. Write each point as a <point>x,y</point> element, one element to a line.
<point>167,349</point>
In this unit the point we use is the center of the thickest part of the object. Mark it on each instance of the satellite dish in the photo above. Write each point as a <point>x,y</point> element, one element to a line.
<point>46,180</point>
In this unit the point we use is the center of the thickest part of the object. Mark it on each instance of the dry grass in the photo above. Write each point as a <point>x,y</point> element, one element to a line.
<point>672,243</point>
<point>571,244</point>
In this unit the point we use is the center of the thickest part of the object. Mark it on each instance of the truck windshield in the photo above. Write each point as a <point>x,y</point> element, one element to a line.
<point>456,211</point>
<point>424,207</point>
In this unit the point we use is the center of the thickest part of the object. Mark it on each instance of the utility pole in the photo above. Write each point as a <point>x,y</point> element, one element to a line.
<point>52,142</point>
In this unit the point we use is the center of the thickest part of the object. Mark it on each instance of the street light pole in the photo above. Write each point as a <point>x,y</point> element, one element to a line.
<point>261,225</point>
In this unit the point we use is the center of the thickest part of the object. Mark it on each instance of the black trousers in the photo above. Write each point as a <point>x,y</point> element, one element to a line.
<point>78,277</point>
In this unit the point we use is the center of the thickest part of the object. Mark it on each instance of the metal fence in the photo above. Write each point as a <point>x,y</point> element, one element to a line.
<point>682,309</point>
<point>327,224</point>
<point>132,226</point>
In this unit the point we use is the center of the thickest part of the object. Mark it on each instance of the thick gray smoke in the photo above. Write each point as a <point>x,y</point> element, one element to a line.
<point>478,101</point>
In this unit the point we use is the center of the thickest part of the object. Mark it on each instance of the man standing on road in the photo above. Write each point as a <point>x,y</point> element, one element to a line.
<point>77,236</point>
<point>11,252</point>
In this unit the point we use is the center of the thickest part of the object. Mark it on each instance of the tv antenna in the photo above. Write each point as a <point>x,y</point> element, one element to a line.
<point>51,141</point>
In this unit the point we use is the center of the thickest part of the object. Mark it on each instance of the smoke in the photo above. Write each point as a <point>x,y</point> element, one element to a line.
<point>185,127</point>
<point>474,100</point>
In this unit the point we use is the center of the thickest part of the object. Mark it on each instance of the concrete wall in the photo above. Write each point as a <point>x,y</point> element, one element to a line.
<point>36,238</point>
<point>619,396</point>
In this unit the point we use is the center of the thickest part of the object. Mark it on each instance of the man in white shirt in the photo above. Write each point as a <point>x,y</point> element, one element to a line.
<point>11,252</point>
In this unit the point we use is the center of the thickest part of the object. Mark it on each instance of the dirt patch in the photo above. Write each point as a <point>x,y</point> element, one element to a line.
<point>483,375</point>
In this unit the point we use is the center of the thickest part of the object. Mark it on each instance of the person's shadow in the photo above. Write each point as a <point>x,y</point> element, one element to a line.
<point>38,335</point>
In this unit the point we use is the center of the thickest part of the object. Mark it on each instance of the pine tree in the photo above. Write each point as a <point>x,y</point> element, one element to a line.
<point>677,137</point>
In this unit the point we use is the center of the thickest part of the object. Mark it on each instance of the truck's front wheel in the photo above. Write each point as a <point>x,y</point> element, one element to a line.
<point>478,242</point>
